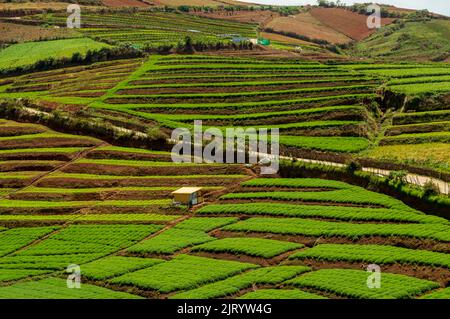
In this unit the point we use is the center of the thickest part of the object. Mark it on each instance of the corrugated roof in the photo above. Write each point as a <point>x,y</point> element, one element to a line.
<point>187,190</point>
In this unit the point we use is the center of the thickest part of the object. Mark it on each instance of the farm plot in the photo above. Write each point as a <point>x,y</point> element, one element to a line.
<point>76,200</point>
<point>346,193</point>
<point>25,156</point>
<point>25,54</point>
<point>352,283</point>
<point>55,288</point>
<point>280,294</point>
<point>251,93</point>
<point>117,255</point>
<point>187,233</point>
<point>72,87</point>
<point>154,29</point>
<point>91,175</point>
<point>265,248</point>
<point>423,123</point>
<point>182,272</point>
<point>305,227</point>
<point>232,285</point>
<point>374,254</point>
<point>316,107</point>
<point>75,244</point>
<point>116,265</point>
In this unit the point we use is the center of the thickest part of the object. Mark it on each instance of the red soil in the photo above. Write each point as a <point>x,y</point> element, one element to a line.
<point>307,25</point>
<point>352,24</point>
<point>260,17</point>
<point>125,3</point>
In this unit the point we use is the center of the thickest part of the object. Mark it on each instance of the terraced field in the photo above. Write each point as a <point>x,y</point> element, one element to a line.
<point>77,201</point>
<point>248,92</point>
<point>302,238</point>
<point>419,134</point>
<point>153,29</point>
<point>28,53</point>
<point>317,107</point>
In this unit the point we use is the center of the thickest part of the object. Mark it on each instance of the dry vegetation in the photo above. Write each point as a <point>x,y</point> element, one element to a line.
<point>16,33</point>
<point>307,25</point>
<point>349,23</point>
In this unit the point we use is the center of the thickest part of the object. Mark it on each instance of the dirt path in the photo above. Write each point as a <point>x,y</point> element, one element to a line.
<point>419,180</point>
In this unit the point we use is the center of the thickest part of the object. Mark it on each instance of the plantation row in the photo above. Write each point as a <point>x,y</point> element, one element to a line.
<point>418,135</point>
<point>144,244</point>
<point>149,95</point>
<point>315,106</point>
<point>153,29</point>
<point>90,175</point>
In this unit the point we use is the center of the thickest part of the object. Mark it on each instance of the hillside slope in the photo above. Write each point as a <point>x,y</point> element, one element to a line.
<point>419,40</point>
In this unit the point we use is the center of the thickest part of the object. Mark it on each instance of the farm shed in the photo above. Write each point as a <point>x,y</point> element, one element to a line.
<point>188,196</point>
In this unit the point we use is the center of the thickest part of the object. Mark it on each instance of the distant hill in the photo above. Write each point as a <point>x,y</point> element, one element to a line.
<point>209,3</point>
<point>405,33</point>
<point>410,40</point>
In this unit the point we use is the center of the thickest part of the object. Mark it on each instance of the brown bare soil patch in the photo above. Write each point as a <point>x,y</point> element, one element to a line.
<point>94,196</point>
<point>33,5</point>
<point>27,166</point>
<point>352,24</point>
<point>23,129</point>
<point>47,142</point>
<point>175,182</point>
<point>259,16</point>
<point>81,94</point>
<point>86,168</point>
<point>166,210</point>
<point>36,210</point>
<point>36,156</point>
<point>124,3</point>
<point>14,183</point>
<point>100,154</point>
<point>208,3</point>
<point>307,25</point>
<point>13,32</point>
<point>30,88</point>
<point>30,223</point>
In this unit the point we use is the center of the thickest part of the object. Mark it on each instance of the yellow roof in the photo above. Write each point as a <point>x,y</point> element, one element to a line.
<point>187,190</point>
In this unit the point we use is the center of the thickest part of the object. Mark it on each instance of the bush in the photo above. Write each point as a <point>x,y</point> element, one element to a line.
<point>398,177</point>
<point>353,166</point>
<point>430,189</point>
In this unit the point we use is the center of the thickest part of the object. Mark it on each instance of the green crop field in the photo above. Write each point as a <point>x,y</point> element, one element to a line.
<point>98,211</point>
<point>89,181</point>
<point>348,282</point>
<point>24,54</point>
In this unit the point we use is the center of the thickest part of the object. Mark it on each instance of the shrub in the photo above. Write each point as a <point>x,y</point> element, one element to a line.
<point>353,166</point>
<point>430,189</point>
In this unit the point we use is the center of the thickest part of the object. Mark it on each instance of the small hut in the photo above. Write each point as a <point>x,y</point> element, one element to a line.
<point>188,196</point>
